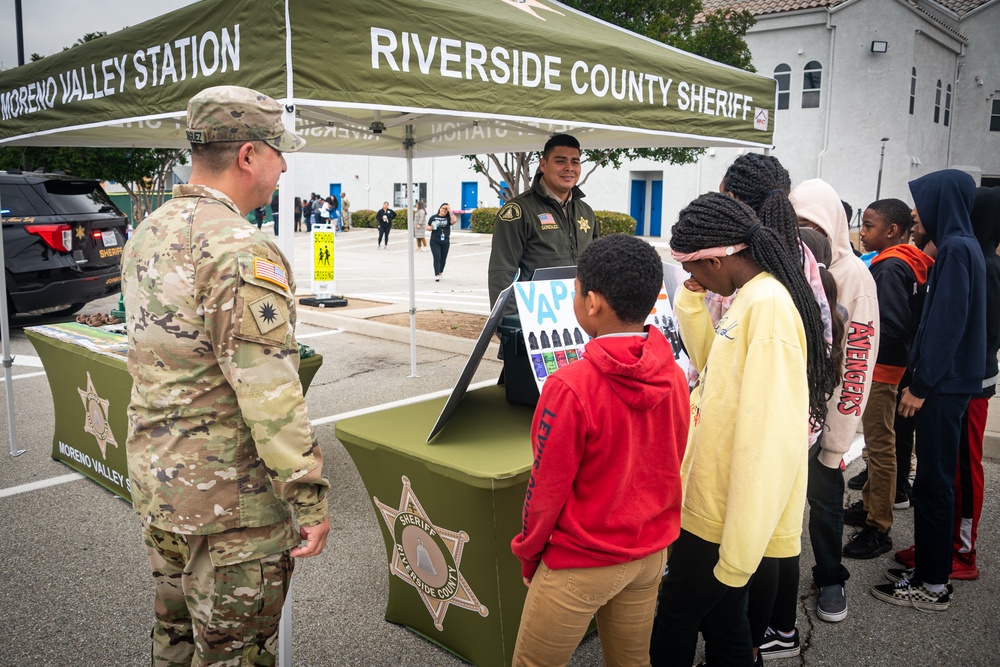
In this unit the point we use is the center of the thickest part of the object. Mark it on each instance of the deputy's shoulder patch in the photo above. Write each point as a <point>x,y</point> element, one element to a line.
<point>510,212</point>
<point>269,271</point>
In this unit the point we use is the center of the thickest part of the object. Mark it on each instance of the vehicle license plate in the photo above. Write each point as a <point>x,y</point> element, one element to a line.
<point>109,238</point>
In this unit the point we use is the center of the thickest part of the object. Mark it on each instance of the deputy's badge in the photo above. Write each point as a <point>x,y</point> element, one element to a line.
<point>584,224</point>
<point>269,271</point>
<point>268,312</point>
<point>510,212</point>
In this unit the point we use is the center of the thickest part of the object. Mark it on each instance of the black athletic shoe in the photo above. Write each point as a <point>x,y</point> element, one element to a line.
<point>869,543</point>
<point>856,516</point>
<point>777,646</point>
<point>858,481</point>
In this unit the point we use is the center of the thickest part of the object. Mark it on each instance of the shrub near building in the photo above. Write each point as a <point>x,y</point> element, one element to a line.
<point>610,222</point>
<point>365,217</point>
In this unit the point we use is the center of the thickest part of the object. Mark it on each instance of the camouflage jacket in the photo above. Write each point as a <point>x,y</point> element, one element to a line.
<point>219,437</point>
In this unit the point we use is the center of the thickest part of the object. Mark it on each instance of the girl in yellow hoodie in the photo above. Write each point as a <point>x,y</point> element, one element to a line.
<point>764,375</point>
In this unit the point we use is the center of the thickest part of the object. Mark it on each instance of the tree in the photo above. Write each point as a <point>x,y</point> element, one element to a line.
<point>145,173</point>
<point>717,35</point>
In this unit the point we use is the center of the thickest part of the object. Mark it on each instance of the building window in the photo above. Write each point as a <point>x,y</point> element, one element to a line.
<point>995,117</point>
<point>947,106</point>
<point>812,77</point>
<point>399,199</point>
<point>937,102</point>
<point>783,75</point>
<point>913,89</point>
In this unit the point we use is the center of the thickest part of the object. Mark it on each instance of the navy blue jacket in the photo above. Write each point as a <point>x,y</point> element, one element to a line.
<point>949,351</point>
<point>986,225</point>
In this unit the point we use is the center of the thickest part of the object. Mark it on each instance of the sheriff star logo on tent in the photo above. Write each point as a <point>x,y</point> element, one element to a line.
<point>428,557</point>
<point>530,6</point>
<point>96,421</point>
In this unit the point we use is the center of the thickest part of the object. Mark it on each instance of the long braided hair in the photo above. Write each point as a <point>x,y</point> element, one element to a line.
<point>763,184</point>
<point>716,220</point>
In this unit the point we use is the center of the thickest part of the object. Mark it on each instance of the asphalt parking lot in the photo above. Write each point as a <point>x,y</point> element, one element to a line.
<point>78,589</point>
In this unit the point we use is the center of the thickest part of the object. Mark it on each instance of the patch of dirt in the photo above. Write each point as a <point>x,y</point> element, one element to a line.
<point>448,322</point>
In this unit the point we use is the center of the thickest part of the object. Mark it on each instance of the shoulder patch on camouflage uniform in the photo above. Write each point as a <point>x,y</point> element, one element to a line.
<point>269,312</point>
<point>510,212</point>
<point>263,303</point>
<point>269,271</point>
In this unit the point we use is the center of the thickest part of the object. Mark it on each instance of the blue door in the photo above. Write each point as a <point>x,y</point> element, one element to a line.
<point>335,191</point>
<point>637,208</point>
<point>470,200</point>
<point>655,206</point>
<point>503,188</point>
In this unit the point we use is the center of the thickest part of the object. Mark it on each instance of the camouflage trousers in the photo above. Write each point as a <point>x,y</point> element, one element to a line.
<point>223,616</point>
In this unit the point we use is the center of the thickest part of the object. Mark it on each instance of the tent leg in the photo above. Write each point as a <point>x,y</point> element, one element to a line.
<point>410,247</point>
<point>8,360</point>
<point>285,631</point>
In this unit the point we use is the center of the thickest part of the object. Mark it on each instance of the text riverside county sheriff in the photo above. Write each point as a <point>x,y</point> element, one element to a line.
<point>460,59</point>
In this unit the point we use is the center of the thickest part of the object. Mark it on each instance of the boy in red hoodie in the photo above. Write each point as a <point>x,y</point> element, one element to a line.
<point>604,496</point>
<point>899,269</point>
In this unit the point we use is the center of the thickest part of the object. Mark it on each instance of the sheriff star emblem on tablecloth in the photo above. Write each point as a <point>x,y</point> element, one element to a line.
<point>428,557</point>
<point>96,420</point>
<point>584,224</point>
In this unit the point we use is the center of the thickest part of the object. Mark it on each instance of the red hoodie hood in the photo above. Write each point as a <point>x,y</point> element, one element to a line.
<point>640,370</point>
<point>916,259</point>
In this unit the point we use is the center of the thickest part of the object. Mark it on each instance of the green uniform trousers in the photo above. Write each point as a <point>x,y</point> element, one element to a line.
<point>213,615</point>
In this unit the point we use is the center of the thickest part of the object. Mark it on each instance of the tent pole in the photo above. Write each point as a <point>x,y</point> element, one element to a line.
<point>408,143</point>
<point>285,630</point>
<point>8,360</point>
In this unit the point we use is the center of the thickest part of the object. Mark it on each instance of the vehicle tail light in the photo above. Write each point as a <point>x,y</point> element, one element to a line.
<point>57,237</point>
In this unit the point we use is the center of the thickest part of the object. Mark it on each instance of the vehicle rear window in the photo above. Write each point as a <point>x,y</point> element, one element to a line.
<point>17,203</point>
<point>73,197</point>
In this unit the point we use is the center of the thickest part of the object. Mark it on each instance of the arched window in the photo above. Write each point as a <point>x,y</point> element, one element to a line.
<point>947,106</point>
<point>913,89</point>
<point>812,77</point>
<point>783,75</point>
<point>937,102</point>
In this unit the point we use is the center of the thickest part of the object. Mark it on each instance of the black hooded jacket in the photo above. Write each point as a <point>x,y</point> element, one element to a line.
<point>949,351</point>
<point>986,226</point>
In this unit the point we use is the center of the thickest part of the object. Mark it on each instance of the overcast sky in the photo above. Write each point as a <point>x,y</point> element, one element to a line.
<point>49,25</point>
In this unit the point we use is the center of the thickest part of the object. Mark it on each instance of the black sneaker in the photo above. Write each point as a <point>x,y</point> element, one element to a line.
<point>856,516</point>
<point>831,603</point>
<point>858,481</point>
<point>897,574</point>
<point>869,543</point>
<point>908,593</point>
<point>903,500</point>
<point>775,645</point>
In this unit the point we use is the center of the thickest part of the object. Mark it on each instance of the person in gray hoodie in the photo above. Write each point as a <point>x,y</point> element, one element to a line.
<point>818,206</point>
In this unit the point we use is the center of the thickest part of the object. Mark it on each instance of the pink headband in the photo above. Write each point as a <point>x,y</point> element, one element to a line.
<point>721,251</point>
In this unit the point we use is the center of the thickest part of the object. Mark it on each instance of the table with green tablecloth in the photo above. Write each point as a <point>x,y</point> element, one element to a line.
<point>448,511</point>
<point>87,372</point>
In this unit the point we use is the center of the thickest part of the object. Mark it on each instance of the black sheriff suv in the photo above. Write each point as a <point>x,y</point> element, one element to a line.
<point>62,240</point>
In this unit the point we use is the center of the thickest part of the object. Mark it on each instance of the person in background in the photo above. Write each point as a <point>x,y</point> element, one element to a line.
<point>439,227</point>
<point>609,433</point>
<point>745,468</point>
<point>333,206</point>
<point>899,270</point>
<point>274,210</point>
<point>384,216</point>
<point>946,366</point>
<point>817,206</point>
<point>224,467</point>
<point>298,214</point>
<point>258,215</point>
<point>345,206</point>
<point>419,223</point>
<point>549,225</point>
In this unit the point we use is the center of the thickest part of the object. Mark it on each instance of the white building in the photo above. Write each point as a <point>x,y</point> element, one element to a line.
<point>925,75</point>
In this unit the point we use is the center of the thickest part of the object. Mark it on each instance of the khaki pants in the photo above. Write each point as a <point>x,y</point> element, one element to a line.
<point>880,441</point>
<point>560,604</point>
<point>207,615</point>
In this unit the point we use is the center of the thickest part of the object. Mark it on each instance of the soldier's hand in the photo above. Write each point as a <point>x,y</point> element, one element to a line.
<point>313,539</point>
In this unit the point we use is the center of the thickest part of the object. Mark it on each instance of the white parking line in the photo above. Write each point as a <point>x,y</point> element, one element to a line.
<point>317,334</point>
<point>29,360</point>
<point>22,376</point>
<point>40,484</point>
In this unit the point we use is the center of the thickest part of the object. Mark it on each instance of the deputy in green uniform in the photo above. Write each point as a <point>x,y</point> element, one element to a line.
<point>226,474</point>
<point>549,225</point>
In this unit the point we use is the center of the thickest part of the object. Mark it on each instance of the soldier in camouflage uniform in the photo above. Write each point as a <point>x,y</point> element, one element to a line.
<point>549,225</point>
<point>225,469</point>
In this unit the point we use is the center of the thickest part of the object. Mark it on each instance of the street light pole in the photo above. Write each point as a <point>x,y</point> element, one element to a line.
<point>881,161</point>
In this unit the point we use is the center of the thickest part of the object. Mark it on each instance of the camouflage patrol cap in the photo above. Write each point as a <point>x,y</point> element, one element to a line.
<point>233,113</point>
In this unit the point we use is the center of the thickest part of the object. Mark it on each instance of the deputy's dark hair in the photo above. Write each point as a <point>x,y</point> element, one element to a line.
<point>555,140</point>
<point>763,184</point>
<point>716,220</point>
<point>626,271</point>
<point>821,250</point>
<point>894,211</point>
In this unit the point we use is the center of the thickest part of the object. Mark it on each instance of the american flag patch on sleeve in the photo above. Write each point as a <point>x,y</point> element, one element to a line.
<point>269,271</point>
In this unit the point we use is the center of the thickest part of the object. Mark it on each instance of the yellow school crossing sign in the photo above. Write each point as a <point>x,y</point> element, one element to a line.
<point>324,243</point>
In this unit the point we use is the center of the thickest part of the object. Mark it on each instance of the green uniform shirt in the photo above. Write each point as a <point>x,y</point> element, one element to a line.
<point>532,232</point>
<point>219,438</point>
